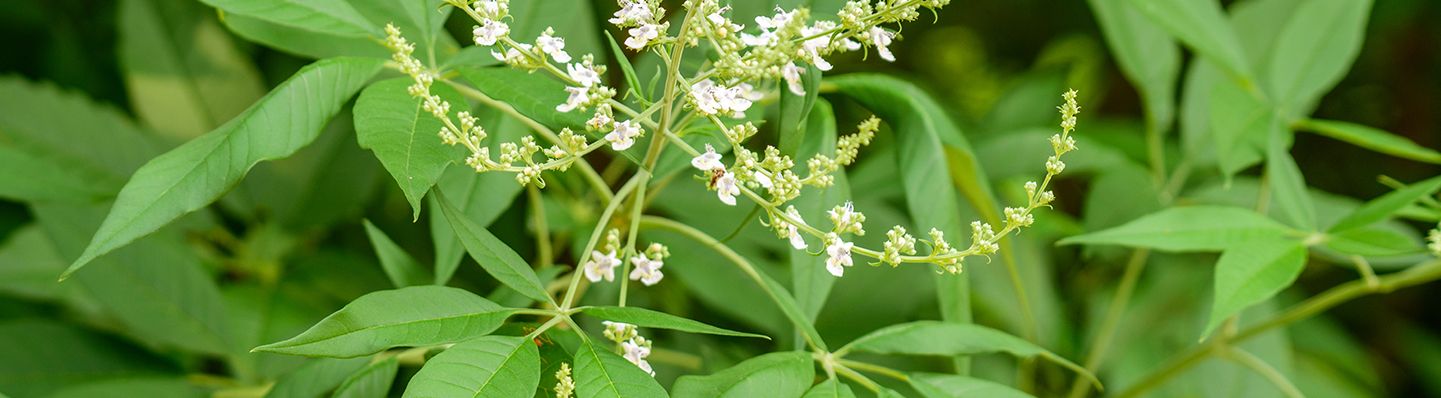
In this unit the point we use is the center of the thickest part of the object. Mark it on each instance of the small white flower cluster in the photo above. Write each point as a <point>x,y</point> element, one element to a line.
<point>565,385</point>
<point>635,348</point>
<point>711,99</point>
<point>838,254</point>
<point>643,17</point>
<point>647,265</point>
<point>939,248</point>
<point>602,265</point>
<point>898,242</point>
<point>787,230</point>
<point>589,91</point>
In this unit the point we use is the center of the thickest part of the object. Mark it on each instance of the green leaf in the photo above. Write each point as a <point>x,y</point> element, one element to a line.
<point>952,339</point>
<point>334,17</point>
<point>157,288</point>
<point>811,282</point>
<point>411,317</point>
<point>43,355</point>
<point>778,375</point>
<point>316,377</point>
<point>1372,242</point>
<point>654,319</point>
<point>481,196</point>
<point>149,387</point>
<point>32,177</point>
<point>794,110</point>
<point>932,385</point>
<point>200,171</point>
<point>626,68</point>
<point>831,388</point>
<point>183,73</point>
<point>532,94</point>
<point>493,255</point>
<point>1202,26</point>
<point>330,180</point>
<point>1240,124</point>
<point>402,269</point>
<point>1386,205</point>
<point>600,373</point>
<point>28,265</point>
<point>1251,272</point>
<point>1315,49</point>
<point>792,310</point>
<point>490,366</point>
<point>1288,186</point>
<point>1146,54</point>
<point>424,23</point>
<point>304,43</point>
<point>1186,229</point>
<point>394,124</point>
<point>1371,138</point>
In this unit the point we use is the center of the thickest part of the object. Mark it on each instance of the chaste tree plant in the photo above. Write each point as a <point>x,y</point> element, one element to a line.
<point>674,211</point>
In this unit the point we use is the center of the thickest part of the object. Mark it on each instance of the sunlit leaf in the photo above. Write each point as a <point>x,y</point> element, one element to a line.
<point>1288,186</point>
<point>409,317</point>
<point>952,339</point>
<point>1315,49</point>
<point>1187,228</point>
<point>1251,272</point>
<point>394,124</point>
<point>831,388</point>
<point>1372,242</point>
<point>1386,205</point>
<point>490,366</point>
<point>600,373</point>
<point>481,196</point>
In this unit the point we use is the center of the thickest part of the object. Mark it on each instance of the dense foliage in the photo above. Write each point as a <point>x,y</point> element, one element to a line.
<point>712,198</point>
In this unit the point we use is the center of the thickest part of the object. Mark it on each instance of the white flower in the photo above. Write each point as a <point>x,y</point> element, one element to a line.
<point>792,74</point>
<point>814,46</point>
<point>726,188</point>
<point>488,8</point>
<point>764,39</point>
<point>492,31</point>
<point>881,38</point>
<point>582,74</point>
<point>601,265</point>
<point>642,35</point>
<point>850,45</point>
<point>779,20</point>
<point>636,350</point>
<point>704,95</point>
<point>632,12</point>
<point>735,99</point>
<point>791,231</point>
<point>707,161</point>
<point>647,271</point>
<point>749,93</point>
<point>624,135</point>
<point>578,96</point>
<point>840,255</point>
<point>555,46</point>
<point>761,178</point>
<point>599,121</point>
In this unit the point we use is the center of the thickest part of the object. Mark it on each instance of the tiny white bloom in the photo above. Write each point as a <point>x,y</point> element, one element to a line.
<point>707,161</point>
<point>642,35</point>
<point>599,121</point>
<point>840,255</point>
<point>881,38</point>
<point>578,96</point>
<point>737,101</point>
<point>489,8</point>
<point>582,74</point>
<point>631,12</point>
<point>764,39</point>
<point>761,178</point>
<point>646,270</point>
<point>492,31</point>
<point>850,45</point>
<point>779,20</point>
<point>792,75</point>
<point>726,188</point>
<point>748,92</point>
<point>635,351</point>
<point>704,95</point>
<point>624,135</point>
<point>555,46</point>
<point>601,265</point>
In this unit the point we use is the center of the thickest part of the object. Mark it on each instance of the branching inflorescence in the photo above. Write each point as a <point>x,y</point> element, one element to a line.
<point>750,62</point>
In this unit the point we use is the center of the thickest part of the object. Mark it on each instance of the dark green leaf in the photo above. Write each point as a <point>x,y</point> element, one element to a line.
<point>28,265</point>
<point>490,366</point>
<point>932,385</point>
<point>200,171</point>
<point>410,317</point>
<point>1240,124</point>
<point>1251,272</point>
<point>304,43</point>
<point>951,339</point>
<point>1147,55</point>
<point>1386,205</point>
<point>402,269</point>
<point>148,387</point>
<point>316,377</point>
<point>183,73</point>
<point>1372,242</point>
<point>1187,228</point>
<point>831,388</point>
<point>1315,49</point>
<point>42,356</point>
<point>481,196</point>
<point>600,373</point>
<point>372,381</point>
<point>778,375</point>
<point>653,319</point>
<point>532,94</point>
<point>32,177</point>
<point>493,255</point>
<point>334,17</point>
<point>394,124</point>
<point>1202,26</point>
<point>1288,186</point>
<point>812,283</point>
<point>1371,138</point>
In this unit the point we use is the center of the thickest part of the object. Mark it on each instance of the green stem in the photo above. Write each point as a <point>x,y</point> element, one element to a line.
<point>1079,387</point>
<point>600,225</point>
<point>542,230</point>
<point>859,378</point>
<point>1264,369</point>
<point>857,365</point>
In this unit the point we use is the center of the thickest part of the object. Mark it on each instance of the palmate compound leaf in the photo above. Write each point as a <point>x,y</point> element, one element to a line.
<point>952,339</point>
<point>1186,229</point>
<point>200,171</point>
<point>1251,272</point>
<point>412,316</point>
<point>394,124</point>
<point>778,375</point>
<point>490,366</point>
<point>493,255</point>
<point>654,319</point>
<point>600,373</point>
<point>932,385</point>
